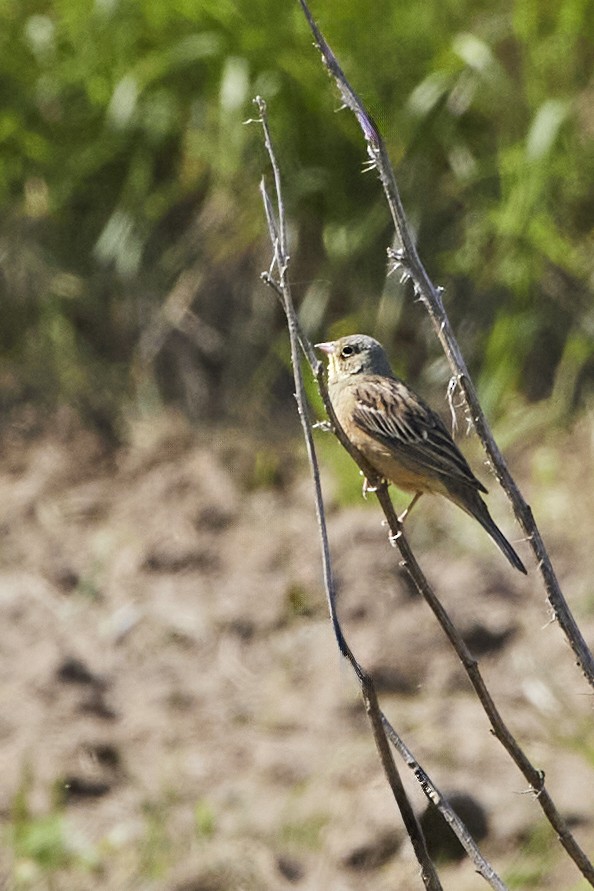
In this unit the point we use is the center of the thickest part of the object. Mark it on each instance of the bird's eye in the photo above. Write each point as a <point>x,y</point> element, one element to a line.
<point>347,351</point>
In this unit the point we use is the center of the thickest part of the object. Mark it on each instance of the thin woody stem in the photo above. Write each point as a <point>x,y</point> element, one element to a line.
<point>406,260</point>
<point>428,871</point>
<point>535,777</point>
<point>382,728</point>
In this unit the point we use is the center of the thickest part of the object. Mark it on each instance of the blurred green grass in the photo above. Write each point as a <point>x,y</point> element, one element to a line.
<point>127,164</point>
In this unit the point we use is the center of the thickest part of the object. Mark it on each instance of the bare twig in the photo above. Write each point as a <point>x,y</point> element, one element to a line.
<point>535,777</point>
<point>380,724</point>
<point>406,260</point>
<point>440,802</point>
<point>428,872</point>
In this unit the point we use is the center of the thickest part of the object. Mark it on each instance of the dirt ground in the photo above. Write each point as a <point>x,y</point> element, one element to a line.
<point>174,713</point>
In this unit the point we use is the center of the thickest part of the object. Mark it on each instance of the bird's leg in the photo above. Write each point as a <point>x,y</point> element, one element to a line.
<point>367,487</point>
<point>405,513</point>
<point>394,538</point>
<point>326,426</point>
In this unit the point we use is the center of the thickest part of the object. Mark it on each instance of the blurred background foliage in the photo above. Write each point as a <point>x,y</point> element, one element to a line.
<point>132,234</point>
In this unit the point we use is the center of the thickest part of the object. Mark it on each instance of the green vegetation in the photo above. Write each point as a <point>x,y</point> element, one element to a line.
<point>42,845</point>
<point>129,194</point>
<point>45,847</point>
<point>536,859</point>
<point>304,833</point>
<point>204,819</point>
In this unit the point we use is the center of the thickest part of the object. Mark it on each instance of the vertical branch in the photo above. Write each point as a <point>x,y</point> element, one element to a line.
<point>450,816</point>
<point>534,777</point>
<point>382,728</point>
<point>428,872</point>
<point>407,261</point>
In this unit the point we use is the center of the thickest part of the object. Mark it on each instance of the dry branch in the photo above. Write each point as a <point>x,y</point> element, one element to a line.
<point>382,729</point>
<point>406,260</point>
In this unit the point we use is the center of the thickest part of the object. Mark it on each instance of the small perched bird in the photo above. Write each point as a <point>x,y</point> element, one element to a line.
<point>403,439</point>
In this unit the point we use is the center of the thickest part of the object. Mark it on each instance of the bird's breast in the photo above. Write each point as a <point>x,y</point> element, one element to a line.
<point>387,461</point>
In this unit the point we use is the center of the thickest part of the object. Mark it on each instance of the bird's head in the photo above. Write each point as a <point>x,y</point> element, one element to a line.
<point>355,354</point>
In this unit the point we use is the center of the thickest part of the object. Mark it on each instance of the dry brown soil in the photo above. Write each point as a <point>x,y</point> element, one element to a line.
<point>174,713</point>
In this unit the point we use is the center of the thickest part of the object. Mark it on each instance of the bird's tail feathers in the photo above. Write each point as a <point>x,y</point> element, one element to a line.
<point>480,512</point>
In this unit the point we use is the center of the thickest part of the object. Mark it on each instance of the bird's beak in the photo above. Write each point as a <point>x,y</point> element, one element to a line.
<point>328,347</point>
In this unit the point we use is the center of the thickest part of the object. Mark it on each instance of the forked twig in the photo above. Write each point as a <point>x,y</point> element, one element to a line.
<point>382,728</point>
<point>406,260</point>
<point>281,261</point>
<point>535,777</point>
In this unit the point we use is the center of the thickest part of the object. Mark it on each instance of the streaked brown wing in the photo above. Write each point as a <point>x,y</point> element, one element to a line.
<point>389,411</point>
